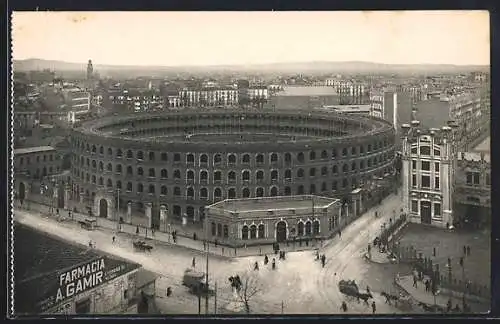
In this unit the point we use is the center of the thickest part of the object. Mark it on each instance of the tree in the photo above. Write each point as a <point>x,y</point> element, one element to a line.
<point>250,286</point>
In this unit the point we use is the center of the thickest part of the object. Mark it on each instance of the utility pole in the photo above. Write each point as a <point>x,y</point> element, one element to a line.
<point>118,210</point>
<point>215,299</point>
<point>206,270</point>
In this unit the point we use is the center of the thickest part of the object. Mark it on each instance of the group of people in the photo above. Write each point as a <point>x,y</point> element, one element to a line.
<point>266,261</point>
<point>344,308</point>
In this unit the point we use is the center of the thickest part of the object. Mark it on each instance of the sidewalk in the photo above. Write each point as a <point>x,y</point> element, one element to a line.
<point>378,257</point>
<point>420,295</point>
<point>166,238</point>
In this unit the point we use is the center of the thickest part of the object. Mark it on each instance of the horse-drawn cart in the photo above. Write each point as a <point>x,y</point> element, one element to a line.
<point>349,288</point>
<point>142,246</point>
<point>88,224</point>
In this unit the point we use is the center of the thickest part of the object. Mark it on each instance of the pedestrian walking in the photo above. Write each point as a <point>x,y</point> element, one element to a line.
<point>204,245</point>
<point>465,250</point>
<point>137,230</point>
<point>69,213</point>
<point>323,260</point>
<point>152,231</point>
<point>414,281</point>
<point>374,307</point>
<point>256,266</point>
<point>344,306</point>
<point>274,264</point>
<point>449,306</point>
<point>266,259</point>
<point>193,263</point>
<point>57,211</point>
<point>235,252</point>
<point>114,238</point>
<point>169,291</point>
<point>216,242</point>
<point>90,243</point>
<point>340,234</point>
<point>194,237</point>
<point>468,250</point>
<point>222,250</point>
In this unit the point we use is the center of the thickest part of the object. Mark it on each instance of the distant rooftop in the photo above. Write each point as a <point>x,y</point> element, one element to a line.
<point>34,149</point>
<point>474,156</point>
<point>307,91</point>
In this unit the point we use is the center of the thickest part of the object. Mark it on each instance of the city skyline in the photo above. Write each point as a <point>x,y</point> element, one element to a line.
<point>233,38</point>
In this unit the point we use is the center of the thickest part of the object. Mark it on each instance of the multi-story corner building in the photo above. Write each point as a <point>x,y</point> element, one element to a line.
<point>472,201</point>
<point>305,97</point>
<point>428,170</point>
<point>258,92</point>
<point>77,99</point>
<point>463,107</point>
<point>36,162</point>
<point>227,96</point>
<point>350,92</point>
<point>377,103</point>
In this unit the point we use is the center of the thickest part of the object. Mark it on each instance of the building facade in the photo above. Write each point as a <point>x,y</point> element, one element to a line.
<point>209,97</point>
<point>272,219</point>
<point>428,169</point>
<point>37,162</point>
<point>472,201</point>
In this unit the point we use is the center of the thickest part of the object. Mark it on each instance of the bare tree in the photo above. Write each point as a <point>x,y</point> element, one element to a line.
<point>250,286</point>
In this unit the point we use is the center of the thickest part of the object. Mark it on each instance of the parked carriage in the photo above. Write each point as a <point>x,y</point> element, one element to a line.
<point>195,281</point>
<point>142,246</point>
<point>88,224</point>
<point>349,288</point>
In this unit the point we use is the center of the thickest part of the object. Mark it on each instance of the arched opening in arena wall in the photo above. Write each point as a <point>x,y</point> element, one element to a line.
<point>281,229</point>
<point>103,208</point>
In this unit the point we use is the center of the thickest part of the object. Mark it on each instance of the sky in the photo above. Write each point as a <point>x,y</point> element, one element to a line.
<point>217,38</point>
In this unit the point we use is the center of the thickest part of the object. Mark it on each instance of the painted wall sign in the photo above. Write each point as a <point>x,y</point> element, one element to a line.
<point>83,278</point>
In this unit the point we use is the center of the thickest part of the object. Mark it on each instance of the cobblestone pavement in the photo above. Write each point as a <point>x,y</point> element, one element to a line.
<point>298,285</point>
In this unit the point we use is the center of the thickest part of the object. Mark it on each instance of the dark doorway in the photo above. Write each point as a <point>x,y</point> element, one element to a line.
<point>190,213</point>
<point>308,228</point>
<point>60,197</point>
<point>82,306</point>
<point>103,208</point>
<point>281,231</point>
<point>425,212</point>
<point>22,191</point>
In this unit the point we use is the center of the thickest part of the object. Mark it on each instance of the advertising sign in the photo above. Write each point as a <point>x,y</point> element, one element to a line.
<point>82,278</point>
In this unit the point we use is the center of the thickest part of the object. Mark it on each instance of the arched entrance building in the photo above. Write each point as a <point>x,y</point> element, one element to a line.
<point>103,205</point>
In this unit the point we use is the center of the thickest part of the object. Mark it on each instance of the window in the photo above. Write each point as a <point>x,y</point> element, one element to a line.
<point>436,183</point>
<point>344,151</point>
<point>414,164</point>
<point>151,172</point>
<point>312,172</point>
<point>190,158</point>
<point>425,150</point>
<point>437,152</point>
<point>177,191</point>
<point>203,159</point>
<point>274,158</point>
<point>324,155</point>
<point>259,159</point>
<point>414,180</point>
<point>140,187</point>
<point>353,151</point>
<point>426,181</point>
<point>472,178</point>
<point>300,173</point>
<point>151,189</point>
<point>274,175</point>
<point>163,190</point>
<point>245,159</point>
<point>140,171</point>
<point>436,166</point>
<point>203,193</point>
<point>476,178</point>
<point>425,166</point>
<point>164,156</point>
<point>437,209</point>
<point>335,169</point>
<point>129,186</point>
<point>312,156</point>
<point>300,157</point>
<point>414,206</point>
<point>488,179</point>
<point>217,176</point>
<point>324,171</point>
<point>214,229</point>
<point>177,174</point>
<point>260,175</point>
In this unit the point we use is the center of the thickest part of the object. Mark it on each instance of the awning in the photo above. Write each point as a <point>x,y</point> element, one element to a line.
<point>145,277</point>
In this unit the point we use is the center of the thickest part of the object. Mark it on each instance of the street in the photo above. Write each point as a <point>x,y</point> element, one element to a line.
<point>298,285</point>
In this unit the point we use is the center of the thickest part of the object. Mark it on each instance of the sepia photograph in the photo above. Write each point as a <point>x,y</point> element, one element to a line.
<point>250,163</point>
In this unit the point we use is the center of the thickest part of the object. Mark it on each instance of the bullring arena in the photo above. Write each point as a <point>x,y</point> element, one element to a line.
<point>185,161</point>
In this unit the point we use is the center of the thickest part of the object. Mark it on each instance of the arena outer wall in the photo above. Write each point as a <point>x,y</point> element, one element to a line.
<point>318,153</point>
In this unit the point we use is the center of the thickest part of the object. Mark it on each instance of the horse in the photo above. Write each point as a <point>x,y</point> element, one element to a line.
<point>364,297</point>
<point>389,297</point>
